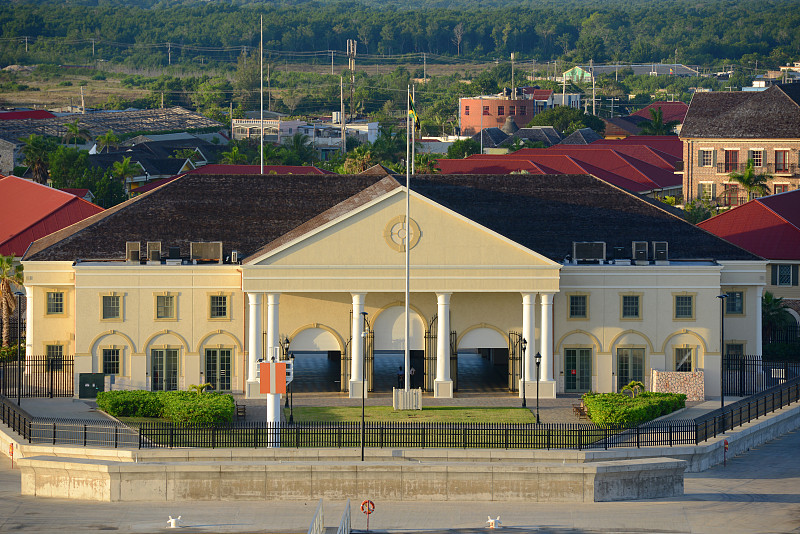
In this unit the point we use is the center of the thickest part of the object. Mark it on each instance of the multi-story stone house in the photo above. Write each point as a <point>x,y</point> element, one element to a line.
<point>722,131</point>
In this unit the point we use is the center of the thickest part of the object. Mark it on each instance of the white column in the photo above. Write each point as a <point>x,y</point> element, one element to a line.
<point>443,384</point>
<point>759,342</point>
<point>254,335</point>
<point>357,348</point>
<point>29,320</point>
<point>546,336</point>
<point>273,325</point>
<point>528,334</point>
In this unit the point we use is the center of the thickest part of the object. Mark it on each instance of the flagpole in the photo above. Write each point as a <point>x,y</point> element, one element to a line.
<point>261,61</point>
<point>409,151</point>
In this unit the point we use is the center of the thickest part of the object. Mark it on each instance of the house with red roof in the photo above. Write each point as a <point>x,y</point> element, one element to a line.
<point>29,211</point>
<point>632,164</point>
<point>768,227</point>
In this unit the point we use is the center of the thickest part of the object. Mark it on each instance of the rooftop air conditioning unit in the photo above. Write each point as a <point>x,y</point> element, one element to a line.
<point>589,250</point>
<point>154,251</point>
<point>155,255</point>
<point>660,251</point>
<point>234,256</point>
<point>639,249</point>
<point>132,251</point>
<point>206,252</point>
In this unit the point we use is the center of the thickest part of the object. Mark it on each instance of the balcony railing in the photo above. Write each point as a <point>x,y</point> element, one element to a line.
<point>766,168</point>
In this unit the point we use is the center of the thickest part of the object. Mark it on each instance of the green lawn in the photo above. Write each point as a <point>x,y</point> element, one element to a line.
<point>442,414</point>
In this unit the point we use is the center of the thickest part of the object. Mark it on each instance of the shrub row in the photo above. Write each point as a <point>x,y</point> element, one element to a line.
<point>176,406</point>
<point>607,409</point>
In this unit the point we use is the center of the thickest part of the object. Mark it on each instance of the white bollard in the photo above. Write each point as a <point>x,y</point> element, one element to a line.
<point>274,418</point>
<point>494,523</point>
<point>173,522</point>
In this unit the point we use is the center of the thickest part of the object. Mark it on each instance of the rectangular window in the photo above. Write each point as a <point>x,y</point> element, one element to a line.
<point>485,110</point>
<point>683,360</point>
<point>684,306</point>
<point>219,307</point>
<point>55,302</point>
<point>111,307</point>
<point>111,361</point>
<point>706,190</point>
<point>466,110</point>
<point>630,366</point>
<point>55,357</point>
<point>511,110</point>
<point>165,307</point>
<point>734,349</point>
<point>630,306</point>
<point>704,158</point>
<point>780,188</point>
<point>784,275</point>
<point>578,308</point>
<point>781,161</point>
<point>757,157</point>
<point>731,161</point>
<point>523,110</point>
<point>501,110</point>
<point>734,304</point>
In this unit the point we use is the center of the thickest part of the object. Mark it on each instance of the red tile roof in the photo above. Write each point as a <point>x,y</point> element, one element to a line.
<point>29,211</point>
<point>670,111</point>
<point>256,169</point>
<point>769,226</point>
<point>21,115</point>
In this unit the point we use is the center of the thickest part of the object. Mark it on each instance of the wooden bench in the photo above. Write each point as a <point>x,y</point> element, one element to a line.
<point>580,411</point>
<point>241,411</point>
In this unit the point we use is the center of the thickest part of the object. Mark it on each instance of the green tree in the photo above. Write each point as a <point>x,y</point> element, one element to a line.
<point>122,170</point>
<point>774,314</point>
<point>75,132</point>
<point>657,126</point>
<point>359,159</point>
<point>107,140</point>
<point>36,150</point>
<point>425,164</point>
<point>390,146</point>
<point>698,210</point>
<point>299,150</point>
<point>10,276</point>
<point>233,157</point>
<point>754,184</point>
<point>567,120</point>
<point>463,148</point>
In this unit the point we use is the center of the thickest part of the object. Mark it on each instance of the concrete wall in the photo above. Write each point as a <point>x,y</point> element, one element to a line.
<point>109,481</point>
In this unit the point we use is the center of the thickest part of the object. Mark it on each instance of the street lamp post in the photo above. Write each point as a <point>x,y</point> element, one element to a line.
<point>538,362</point>
<point>363,379</point>
<point>285,346</point>
<point>524,346</point>
<point>19,358</point>
<point>722,298</point>
<point>291,393</point>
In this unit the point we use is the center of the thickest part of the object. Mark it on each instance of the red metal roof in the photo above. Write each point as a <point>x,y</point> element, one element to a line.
<point>80,193</point>
<point>670,111</point>
<point>670,144</point>
<point>29,211</point>
<point>21,115</point>
<point>769,226</point>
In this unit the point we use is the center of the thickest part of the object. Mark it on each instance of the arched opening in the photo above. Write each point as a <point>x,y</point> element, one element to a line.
<point>482,360</point>
<point>387,367</point>
<point>317,360</point>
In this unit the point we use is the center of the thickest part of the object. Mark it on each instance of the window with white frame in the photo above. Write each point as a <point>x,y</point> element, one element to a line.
<point>55,302</point>
<point>706,190</point>
<point>165,306</point>
<point>784,275</point>
<point>705,158</point>
<point>758,158</point>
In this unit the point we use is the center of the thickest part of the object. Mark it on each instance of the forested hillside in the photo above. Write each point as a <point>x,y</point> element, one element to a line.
<point>150,34</point>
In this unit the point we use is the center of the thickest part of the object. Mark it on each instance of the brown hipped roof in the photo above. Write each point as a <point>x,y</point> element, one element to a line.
<point>254,214</point>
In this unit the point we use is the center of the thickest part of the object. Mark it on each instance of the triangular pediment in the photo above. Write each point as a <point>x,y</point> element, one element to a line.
<point>366,246</point>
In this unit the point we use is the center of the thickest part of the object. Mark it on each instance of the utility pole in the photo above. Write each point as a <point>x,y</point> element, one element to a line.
<point>169,53</point>
<point>424,66</point>
<point>533,72</point>
<point>591,64</point>
<point>331,62</point>
<point>563,90</point>
<point>269,89</point>
<point>92,47</point>
<point>513,88</point>
<point>351,64</point>
<point>341,113</point>
<point>26,44</point>
<point>83,103</point>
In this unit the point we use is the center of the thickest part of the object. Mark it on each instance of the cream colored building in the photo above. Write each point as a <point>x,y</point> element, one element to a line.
<point>197,280</point>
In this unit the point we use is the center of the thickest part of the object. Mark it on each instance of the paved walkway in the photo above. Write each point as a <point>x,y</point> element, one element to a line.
<point>757,492</point>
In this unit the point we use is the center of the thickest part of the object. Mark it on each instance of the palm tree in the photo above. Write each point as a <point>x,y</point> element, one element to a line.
<point>233,157</point>
<point>122,170</point>
<point>657,126</point>
<point>107,140</point>
<point>75,132</point>
<point>774,314</point>
<point>754,184</point>
<point>37,150</point>
<point>299,148</point>
<point>9,274</point>
<point>359,159</point>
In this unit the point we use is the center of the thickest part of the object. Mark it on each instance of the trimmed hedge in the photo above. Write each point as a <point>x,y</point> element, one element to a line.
<point>176,406</point>
<point>610,409</point>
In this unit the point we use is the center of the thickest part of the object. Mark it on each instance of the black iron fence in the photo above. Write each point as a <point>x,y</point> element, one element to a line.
<point>785,334</point>
<point>746,375</point>
<point>38,376</point>
<point>15,418</point>
<point>745,410</point>
<point>416,435</point>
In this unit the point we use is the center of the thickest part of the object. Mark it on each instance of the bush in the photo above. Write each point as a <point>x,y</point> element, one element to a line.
<point>177,406</point>
<point>611,409</point>
<point>9,352</point>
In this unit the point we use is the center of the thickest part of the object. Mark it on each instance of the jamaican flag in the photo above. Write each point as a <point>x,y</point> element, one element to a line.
<point>412,112</point>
